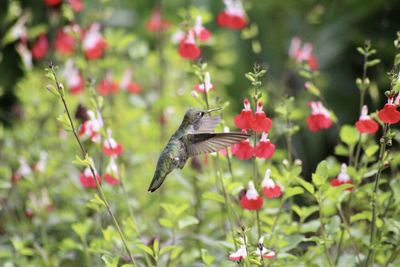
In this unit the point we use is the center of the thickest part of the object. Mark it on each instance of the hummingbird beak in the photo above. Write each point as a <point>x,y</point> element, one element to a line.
<point>211,110</point>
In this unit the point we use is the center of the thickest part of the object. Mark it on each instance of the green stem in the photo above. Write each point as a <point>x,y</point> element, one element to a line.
<point>393,256</point>
<point>84,153</point>
<point>371,250</point>
<point>324,235</point>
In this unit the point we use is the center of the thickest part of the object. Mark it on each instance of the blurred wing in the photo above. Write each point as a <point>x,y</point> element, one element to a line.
<point>205,125</point>
<point>211,142</point>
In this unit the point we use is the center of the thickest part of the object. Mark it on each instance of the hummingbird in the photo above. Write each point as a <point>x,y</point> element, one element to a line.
<point>194,136</point>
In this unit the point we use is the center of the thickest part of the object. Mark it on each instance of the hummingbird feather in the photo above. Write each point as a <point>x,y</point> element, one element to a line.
<point>205,125</point>
<point>203,143</point>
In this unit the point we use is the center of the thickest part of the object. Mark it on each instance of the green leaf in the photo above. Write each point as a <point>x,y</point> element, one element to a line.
<point>206,258</point>
<point>321,174</point>
<point>365,215</point>
<point>110,261</point>
<point>97,200</point>
<point>63,118</point>
<point>82,162</point>
<point>308,186</point>
<point>292,191</point>
<point>373,62</point>
<point>167,249</point>
<point>187,221</point>
<point>145,248</point>
<point>82,228</point>
<point>167,223</point>
<point>371,150</point>
<point>349,135</point>
<point>214,196</point>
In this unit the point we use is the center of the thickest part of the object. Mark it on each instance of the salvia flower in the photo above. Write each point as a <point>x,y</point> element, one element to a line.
<point>389,113</point>
<point>25,55</point>
<point>76,5</point>
<point>40,166</point>
<point>200,31</point>
<point>65,41</point>
<point>111,175</point>
<point>23,170</point>
<point>264,149</point>
<point>107,86</point>
<point>243,150</point>
<point>343,178</point>
<point>206,86</point>
<point>270,188</point>
<point>110,146</point>
<point>188,48</point>
<point>233,17</point>
<point>262,251</point>
<point>239,254</point>
<point>93,42</point>
<point>129,85</point>
<point>260,122</point>
<point>250,199</point>
<point>303,53</point>
<point>52,3</point>
<point>91,127</point>
<point>319,118</point>
<point>87,179</point>
<point>156,22</point>
<point>73,77</point>
<point>245,118</point>
<point>365,124</point>
<point>40,47</point>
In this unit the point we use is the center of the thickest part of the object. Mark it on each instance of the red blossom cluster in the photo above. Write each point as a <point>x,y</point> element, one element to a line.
<point>251,200</point>
<point>233,17</point>
<point>156,22</point>
<point>91,129</point>
<point>259,123</point>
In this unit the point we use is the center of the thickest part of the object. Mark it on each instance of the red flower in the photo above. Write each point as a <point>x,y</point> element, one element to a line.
<point>93,42</point>
<point>250,199</point>
<point>389,113</point>
<point>76,5</point>
<point>239,254</point>
<point>245,118</point>
<point>73,77</point>
<point>107,86</point>
<point>270,188</point>
<point>243,150</point>
<point>52,3</point>
<point>200,31</point>
<point>265,149</point>
<point>365,124</point>
<point>91,128</point>
<point>65,42</point>
<point>319,118</point>
<point>260,122</point>
<point>233,17</point>
<point>303,54</point>
<point>262,251</point>
<point>188,48</point>
<point>206,86</point>
<point>40,47</point>
<point>87,179</point>
<point>127,83</point>
<point>112,173</point>
<point>156,22</point>
<point>343,178</point>
<point>110,147</point>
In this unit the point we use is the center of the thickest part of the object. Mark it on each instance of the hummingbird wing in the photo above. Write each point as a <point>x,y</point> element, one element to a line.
<point>211,142</point>
<point>205,125</point>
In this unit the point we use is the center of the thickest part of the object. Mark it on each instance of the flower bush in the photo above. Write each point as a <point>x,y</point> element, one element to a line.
<point>91,91</point>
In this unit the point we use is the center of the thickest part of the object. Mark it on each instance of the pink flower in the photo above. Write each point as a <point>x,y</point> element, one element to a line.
<point>343,178</point>
<point>40,166</point>
<point>156,22</point>
<point>93,42</point>
<point>239,254</point>
<point>188,48</point>
<point>365,124</point>
<point>243,150</point>
<point>87,179</point>
<point>233,17</point>
<point>260,122</point>
<point>206,86</point>
<point>65,42</point>
<point>76,5</point>
<point>112,173</point>
<point>270,188</point>
<point>110,146</point>
<point>91,127</point>
<point>262,251</point>
<point>40,47</point>
<point>200,31</point>
<point>264,149</point>
<point>319,117</point>
<point>129,85</point>
<point>107,86</point>
<point>250,199</point>
<point>303,54</point>
<point>73,77</point>
<point>245,118</point>
<point>389,113</point>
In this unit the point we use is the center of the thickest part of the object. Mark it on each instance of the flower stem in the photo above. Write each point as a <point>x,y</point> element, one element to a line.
<point>371,250</point>
<point>84,153</point>
<point>324,236</point>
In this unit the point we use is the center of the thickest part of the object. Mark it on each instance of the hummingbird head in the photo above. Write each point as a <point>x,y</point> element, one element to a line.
<point>193,115</point>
